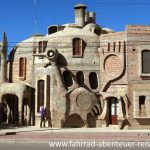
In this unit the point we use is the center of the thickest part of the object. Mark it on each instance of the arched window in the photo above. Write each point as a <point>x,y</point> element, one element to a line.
<point>40,94</point>
<point>93,80</point>
<point>67,78</point>
<point>22,67</point>
<point>80,77</point>
<point>146,61</point>
<point>77,47</point>
<point>142,106</point>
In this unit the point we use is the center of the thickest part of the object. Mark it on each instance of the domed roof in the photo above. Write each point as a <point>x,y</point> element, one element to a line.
<point>91,25</point>
<point>108,30</point>
<point>71,32</point>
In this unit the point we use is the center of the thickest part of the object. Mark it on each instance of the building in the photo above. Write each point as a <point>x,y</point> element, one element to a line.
<point>84,75</point>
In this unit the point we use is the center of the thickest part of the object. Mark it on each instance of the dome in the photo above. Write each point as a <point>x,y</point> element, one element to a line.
<point>71,32</point>
<point>93,28</point>
<point>64,38</point>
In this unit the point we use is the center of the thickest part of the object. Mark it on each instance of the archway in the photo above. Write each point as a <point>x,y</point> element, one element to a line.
<point>74,121</point>
<point>10,108</point>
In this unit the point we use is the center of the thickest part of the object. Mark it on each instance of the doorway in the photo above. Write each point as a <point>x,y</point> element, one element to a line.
<point>113,110</point>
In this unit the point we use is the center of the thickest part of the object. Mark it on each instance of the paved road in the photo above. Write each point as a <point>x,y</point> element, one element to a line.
<point>45,146</point>
<point>12,136</point>
<point>42,140</point>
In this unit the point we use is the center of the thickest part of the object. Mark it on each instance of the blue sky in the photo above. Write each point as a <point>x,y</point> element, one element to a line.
<point>17,17</point>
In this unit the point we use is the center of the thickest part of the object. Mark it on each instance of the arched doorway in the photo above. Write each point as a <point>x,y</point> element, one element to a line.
<point>74,121</point>
<point>10,108</point>
<point>4,111</point>
<point>114,108</point>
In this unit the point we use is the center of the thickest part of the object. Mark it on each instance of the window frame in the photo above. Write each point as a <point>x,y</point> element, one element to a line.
<point>136,96</point>
<point>38,93</point>
<point>142,74</point>
<point>42,48</point>
<point>22,68</point>
<point>74,55</point>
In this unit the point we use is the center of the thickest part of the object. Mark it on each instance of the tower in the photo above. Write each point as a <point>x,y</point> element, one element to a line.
<point>3,59</point>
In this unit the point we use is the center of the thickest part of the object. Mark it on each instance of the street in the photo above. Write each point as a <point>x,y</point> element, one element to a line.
<point>45,146</point>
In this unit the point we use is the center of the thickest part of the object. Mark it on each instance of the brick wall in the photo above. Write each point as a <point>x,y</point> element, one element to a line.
<point>112,58</point>
<point>137,40</point>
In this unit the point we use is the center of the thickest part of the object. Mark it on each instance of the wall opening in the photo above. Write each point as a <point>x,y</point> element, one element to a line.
<point>67,78</point>
<point>93,80</point>
<point>52,29</point>
<point>80,77</point>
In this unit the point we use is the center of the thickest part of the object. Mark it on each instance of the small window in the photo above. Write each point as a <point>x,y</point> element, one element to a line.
<point>80,77</point>
<point>67,78</point>
<point>42,46</point>
<point>93,80</point>
<point>142,107</point>
<point>52,29</point>
<point>40,94</point>
<point>146,61</point>
<point>77,47</point>
<point>22,67</point>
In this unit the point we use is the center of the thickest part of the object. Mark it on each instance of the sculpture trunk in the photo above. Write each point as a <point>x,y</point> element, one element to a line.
<point>60,86</point>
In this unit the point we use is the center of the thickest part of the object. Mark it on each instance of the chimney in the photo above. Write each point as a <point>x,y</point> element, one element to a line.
<point>3,64</point>
<point>86,16</point>
<point>92,17</point>
<point>80,14</point>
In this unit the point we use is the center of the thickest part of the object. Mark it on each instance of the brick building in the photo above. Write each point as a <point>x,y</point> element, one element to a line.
<point>84,75</point>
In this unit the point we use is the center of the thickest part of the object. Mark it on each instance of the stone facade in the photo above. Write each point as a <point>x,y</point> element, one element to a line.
<point>83,74</point>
